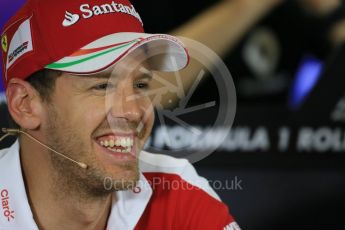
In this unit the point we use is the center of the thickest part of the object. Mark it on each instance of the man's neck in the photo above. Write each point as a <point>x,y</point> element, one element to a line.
<point>53,206</point>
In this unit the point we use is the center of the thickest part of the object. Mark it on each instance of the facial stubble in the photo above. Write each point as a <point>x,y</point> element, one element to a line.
<point>68,177</point>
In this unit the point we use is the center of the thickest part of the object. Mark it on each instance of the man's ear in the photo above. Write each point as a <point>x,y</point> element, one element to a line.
<point>24,104</point>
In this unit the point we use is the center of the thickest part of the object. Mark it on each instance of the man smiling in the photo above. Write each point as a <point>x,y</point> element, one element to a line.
<point>78,90</point>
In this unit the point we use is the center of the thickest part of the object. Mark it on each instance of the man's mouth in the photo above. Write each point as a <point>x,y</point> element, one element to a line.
<point>117,143</point>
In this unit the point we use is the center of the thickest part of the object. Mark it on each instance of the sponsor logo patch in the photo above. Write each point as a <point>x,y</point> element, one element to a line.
<point>87,11</point>
<point>70,19</point>
<point>5,204</point>
<point>18,51</point>
<point>20,44</point>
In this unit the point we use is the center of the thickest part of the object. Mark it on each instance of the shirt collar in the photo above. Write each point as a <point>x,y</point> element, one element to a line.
<point>12,185</point>
<point>15,211</point>
<point>130,205</point>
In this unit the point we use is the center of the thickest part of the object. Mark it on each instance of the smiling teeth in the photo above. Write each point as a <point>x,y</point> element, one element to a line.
<point>120,151</point>
<point>124,142</point>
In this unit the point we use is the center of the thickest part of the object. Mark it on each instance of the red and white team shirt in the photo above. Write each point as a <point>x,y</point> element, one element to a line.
<point>169,195</point>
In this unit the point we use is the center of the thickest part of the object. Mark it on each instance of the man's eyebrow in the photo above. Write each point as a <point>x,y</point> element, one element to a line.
<point>105,76</point>
<point>96,76</point>
<point>100,76</point>
<point>145,73</point>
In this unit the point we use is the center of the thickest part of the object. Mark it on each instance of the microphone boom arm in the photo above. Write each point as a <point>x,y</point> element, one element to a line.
<point>14,132</point>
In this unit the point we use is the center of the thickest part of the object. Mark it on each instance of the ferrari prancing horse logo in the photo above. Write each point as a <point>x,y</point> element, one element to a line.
<point>4,43</point>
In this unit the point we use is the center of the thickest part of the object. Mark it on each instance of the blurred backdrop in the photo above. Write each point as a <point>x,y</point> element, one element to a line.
<point>286,147</point>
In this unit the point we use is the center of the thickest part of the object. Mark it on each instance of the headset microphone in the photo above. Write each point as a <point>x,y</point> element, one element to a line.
<point>14,132</point>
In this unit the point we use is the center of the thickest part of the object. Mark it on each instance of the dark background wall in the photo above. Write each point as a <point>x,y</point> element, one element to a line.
<point>292,188</point>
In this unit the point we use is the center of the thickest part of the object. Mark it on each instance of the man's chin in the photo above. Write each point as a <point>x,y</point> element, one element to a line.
<point>121,184</point>
<point>121,178</point>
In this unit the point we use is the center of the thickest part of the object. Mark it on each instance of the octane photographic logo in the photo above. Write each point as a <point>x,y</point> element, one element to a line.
<point>181,137</point>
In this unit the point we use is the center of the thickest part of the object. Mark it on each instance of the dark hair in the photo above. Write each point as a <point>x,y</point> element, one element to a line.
<point>44,82</point>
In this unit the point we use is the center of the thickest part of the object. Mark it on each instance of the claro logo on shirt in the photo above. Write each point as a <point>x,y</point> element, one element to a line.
<point>5,202</point>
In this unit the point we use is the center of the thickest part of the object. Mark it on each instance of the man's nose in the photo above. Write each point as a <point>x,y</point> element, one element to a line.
<point>125,104</point>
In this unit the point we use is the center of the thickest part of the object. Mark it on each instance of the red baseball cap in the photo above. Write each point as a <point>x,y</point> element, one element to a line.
<point>81,37</point>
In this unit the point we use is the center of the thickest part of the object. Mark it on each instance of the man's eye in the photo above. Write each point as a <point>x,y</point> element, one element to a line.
<point>141,85</point>
<point>103,86</point>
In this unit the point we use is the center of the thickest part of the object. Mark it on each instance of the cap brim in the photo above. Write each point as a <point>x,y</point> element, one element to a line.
<point>166,53</point>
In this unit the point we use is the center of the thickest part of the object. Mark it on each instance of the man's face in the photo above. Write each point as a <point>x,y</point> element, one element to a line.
<point>102,120</point>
